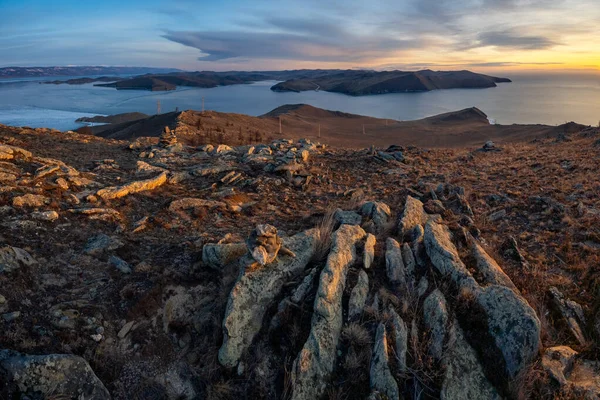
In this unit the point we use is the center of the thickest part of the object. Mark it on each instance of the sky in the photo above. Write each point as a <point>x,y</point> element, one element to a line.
<point>481,35</point>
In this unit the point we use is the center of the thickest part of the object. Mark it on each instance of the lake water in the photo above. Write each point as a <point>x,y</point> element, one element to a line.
<point>540,99</point>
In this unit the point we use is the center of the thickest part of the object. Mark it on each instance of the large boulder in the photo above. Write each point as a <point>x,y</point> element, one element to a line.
<point>489,269</point>
<point>316,360</point>
<point>52,376</point>
<point>513,325</point>
<point>253,292</point>
<point>378,212</point>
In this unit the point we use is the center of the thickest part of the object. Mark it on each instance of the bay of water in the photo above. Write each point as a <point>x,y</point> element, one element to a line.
<point>545,99</point>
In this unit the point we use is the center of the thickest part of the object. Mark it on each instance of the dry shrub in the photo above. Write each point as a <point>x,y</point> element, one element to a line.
<point>356,335</point>
<point>224,390</point>
<point>324,235</point>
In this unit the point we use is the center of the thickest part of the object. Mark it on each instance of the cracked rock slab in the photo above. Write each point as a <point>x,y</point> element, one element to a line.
<point>316,360</point>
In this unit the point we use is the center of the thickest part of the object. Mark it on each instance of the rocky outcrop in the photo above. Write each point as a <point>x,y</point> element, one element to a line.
<point>358,296</point>
<point>255,290</point>
<point>52,376</point>
<point>381,377</point>
<point>317,358</point>
<point>116,192</point>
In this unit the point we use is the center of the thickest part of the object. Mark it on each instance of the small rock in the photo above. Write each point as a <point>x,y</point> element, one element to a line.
<point>347,217</point>
<point>436,319</point>
<point>394,265</point>
<point>369,251</point>
<point>381,378</point>
<point>29,200</point>
<point>101,243</point>
<point>497,215</point>
<point>125,329</point>
<point>120,264</point>
<point>11,316</point>
<point>49,216</point>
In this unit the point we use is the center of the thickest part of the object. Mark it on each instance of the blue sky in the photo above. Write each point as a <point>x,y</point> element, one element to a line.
<point>233,34</point>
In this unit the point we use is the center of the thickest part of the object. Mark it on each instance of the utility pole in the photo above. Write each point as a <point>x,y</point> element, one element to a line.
<point>157,107</point>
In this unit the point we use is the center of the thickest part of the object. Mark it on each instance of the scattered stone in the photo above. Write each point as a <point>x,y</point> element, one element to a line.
<point>61,375</point>
<point>409,263</point>
<point>381,378</point>
<point>394,266</point>
<point>167,138</point>
<point>49,216</point>
<point>497,215</point>
<point>101,243</point>
<point>489,146</point>
<point>145,168</point>
<point>572,314</point>
<point>30,200</point>
<point>189,203</point>
<point>120,264</point>
<point>316,361</point>
<point>11,316</point>
<point>358,296</point>
<point>116,192</point>
<point>217,255</point>
<point>125,329</point>
<point>12,258</point>
<point>579,377</point>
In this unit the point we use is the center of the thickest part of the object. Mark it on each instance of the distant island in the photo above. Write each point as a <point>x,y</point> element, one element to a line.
<point>32,72</point>
<point>81,81</point>
<point>358,83</point>
<point>350,82</point>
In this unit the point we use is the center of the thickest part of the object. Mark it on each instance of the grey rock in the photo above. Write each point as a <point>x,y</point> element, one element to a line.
<point>394,266</point>
<point>464,377</point>
<point>101,243</point>
<point>435,315</point>
<point>418,246</point>
<point>497,215</point>
<point>578,376</point>
<point>489,269</point>
<point>12,258</point>
<point>422,286</point>
<point>412,216</point>
<point>54,376</point>
<point>409,263</point>
<point>378,212</point>
<point>304,288</point>
<point>11,316</point>
<point>217,255</point>
<point>381,378</point>
<point>49,216</point>
<point>513,324</point>
<point>572,314</point>
<point>558,361</point>
<point>369,251</point>
<point>253,292</point>
<point>120,264</point>
<point>316,360</point>
<point>444,256</point>
<point>358,296</point>
<point>347,217</point>
<point>400,333</point>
